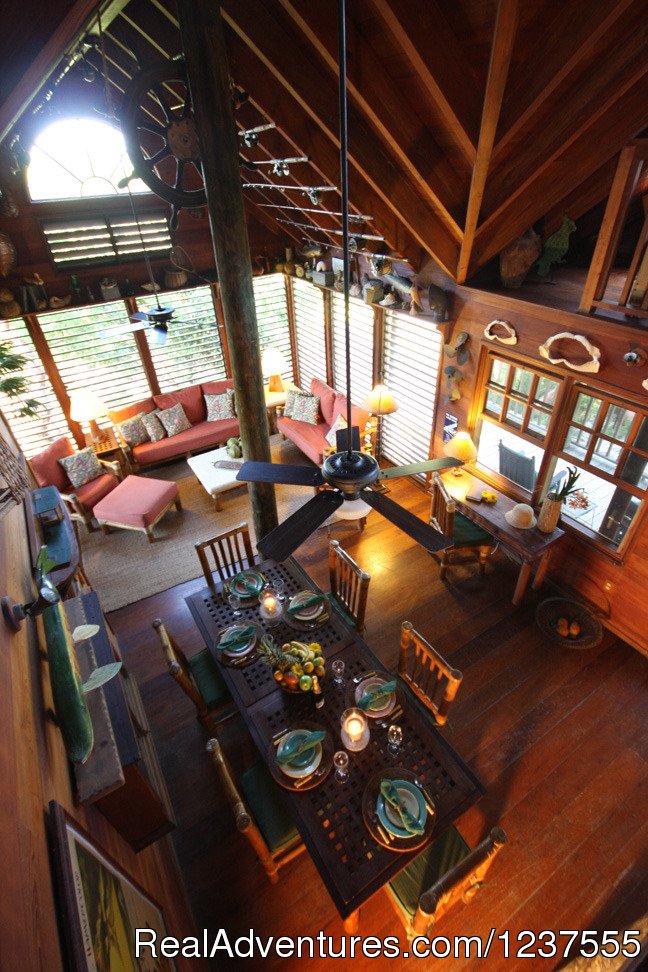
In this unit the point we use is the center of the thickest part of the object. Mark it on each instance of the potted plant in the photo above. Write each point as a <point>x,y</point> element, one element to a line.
<point>553,502</point>
<point>13,383</point>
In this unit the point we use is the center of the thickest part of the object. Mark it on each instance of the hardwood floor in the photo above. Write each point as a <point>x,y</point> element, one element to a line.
<point>557,736</point>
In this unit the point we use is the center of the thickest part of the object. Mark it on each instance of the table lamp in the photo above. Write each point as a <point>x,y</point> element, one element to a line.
<point>86,406</point>
<point>462,447</point>
<point>272,364</point>
<point>380,402</point>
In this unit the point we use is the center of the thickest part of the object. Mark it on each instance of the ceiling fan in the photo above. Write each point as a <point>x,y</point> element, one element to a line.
<point>348,472</point>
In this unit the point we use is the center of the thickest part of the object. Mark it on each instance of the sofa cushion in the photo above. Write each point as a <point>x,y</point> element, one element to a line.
<point>220,406</point>
<point>358,415</point>
<point>311,439</point>
<point>118,415</point>
<point>46,468</point>
<point>153,426</point>
<point>306,409</point>
<point>133,431</point>
<point>216,387</point>
<point>81,467</point>
<point>90,493</point>
<point>191,399</point>
<point>291,395</point>
<point>331,435</point>
<point>199,436</point>
<point>174,419</point>
<point>327,398</point>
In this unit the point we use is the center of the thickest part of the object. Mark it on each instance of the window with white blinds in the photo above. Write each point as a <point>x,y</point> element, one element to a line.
<point>193,351</point>
<point>36,433</point>
<point>361,319</point>
<point>98,239</point>
<point>272,317</point>
<point>93,350</point>
<point>411,363</point>
<point>309,329</point>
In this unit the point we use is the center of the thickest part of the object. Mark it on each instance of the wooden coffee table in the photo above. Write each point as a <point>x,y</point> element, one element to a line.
<point>214,478</point>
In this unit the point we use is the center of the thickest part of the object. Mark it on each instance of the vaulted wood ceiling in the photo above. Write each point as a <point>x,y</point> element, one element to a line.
<point>468,121</point>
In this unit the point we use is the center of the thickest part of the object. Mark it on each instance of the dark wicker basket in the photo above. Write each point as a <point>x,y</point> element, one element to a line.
<point>548,612</point>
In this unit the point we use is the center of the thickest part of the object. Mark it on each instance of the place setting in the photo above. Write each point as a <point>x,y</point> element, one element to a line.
<point>237,644</point>
<point>246,586</point>
<point>308,610</point>
<point>376,695</point>
<point>302,757</point>
<point>398,812</point>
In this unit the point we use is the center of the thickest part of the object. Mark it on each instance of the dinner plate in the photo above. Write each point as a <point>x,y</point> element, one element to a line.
<point>384,707</point>
<point>414,801</point>
<point>304,764</point>
<point>244,649</point>
<point>237,584</point>
<point>310,613</point>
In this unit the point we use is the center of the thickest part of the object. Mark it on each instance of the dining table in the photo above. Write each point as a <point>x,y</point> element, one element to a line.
<point>329,816</point>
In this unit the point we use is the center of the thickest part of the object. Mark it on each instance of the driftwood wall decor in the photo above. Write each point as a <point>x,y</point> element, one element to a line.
<point>591,366</point>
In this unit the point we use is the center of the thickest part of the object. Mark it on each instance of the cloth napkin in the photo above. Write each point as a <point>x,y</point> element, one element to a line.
<point>390,794</point>
<point>376,694</point>
<point>237,638</point>
<point>306,603</point>
<point>298,745</point>
<point>251,584</point>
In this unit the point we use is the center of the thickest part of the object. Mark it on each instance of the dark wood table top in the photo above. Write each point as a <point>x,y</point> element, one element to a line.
<point>529,544</point>
<point>329,817</point>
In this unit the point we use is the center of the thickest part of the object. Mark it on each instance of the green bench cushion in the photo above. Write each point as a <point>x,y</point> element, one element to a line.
<point>468,534</point>
<point>430,865</point>
<point>263,797</point>
<point>208,679</point>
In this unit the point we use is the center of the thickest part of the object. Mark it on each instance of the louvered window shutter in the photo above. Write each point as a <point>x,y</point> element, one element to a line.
<point>94,240</point>
<point>272,317</point>
<point>361,320</point>
<point>309,328</point>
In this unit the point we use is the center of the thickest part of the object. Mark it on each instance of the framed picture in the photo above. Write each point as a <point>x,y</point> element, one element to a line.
<point>100,905</point>
<point>450,425</point>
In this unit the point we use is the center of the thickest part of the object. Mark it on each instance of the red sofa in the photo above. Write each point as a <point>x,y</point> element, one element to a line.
<point>201,435</point>
<point>311,439</point>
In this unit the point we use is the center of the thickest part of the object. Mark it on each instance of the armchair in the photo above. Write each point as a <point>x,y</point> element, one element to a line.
<point>80,501</point>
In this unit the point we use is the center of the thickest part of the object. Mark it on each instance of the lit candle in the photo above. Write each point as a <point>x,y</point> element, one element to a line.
<point>355,730</point>
<point>270,607</point>
<point>270,603</point>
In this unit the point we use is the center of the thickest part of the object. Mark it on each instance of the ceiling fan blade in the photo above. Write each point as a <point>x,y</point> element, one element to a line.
<point>429,465</point>
<point>426,535</point>
<point>284,539</point>
<point>116,332</point>
<point>270,472</point>
<point>140,316</point>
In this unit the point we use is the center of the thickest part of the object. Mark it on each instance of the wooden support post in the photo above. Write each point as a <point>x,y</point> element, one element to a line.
<point>292,328</point>
<point>58,386</point>
<point>328,336</point>
<point>203,41</point>
<point>143,349</point>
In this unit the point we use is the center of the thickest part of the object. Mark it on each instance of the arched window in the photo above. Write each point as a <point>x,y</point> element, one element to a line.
<point>79,157</point>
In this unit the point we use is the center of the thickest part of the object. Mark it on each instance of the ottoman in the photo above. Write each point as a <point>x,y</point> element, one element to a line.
<point>138,503</point>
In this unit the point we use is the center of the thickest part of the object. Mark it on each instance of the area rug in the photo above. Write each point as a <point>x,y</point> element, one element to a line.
<point>124,567</point>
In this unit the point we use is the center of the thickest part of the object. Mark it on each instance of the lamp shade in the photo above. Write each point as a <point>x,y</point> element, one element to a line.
<point>85,406</point>
<point>380,401</point>
<point>460,446</point>
<point>273,362</point>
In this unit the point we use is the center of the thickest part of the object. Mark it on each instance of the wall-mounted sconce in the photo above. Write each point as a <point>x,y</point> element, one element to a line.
<point>635,358</point>
<point>15,613</point>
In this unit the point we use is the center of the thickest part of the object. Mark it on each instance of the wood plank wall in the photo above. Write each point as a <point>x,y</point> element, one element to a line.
<point>618,589</point>
<point>34,770</point>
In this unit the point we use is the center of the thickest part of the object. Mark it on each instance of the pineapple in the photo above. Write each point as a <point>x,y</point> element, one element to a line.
<point>275,656</point>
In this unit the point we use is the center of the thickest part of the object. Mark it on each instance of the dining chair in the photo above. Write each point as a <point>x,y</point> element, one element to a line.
<point>446,872</point>
<point>259,812</point>
<point>199,678</point>
<point>230,551</point>
<point>467,536</point>
<point>517,467</point>
<point>427,674</point>
<point>349,584</point>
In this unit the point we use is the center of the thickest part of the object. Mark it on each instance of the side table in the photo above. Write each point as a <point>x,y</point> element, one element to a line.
<point>109,449</point>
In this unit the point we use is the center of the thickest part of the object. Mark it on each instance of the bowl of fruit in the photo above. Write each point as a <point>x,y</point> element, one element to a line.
<point>294,664</point>
<point>569,623</point>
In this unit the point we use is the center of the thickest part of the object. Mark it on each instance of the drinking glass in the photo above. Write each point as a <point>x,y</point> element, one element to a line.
<point>337,667</point>
<point>235,604</point>
<point>394,739</point>
<point>280,588</point>
<point>341,763</point>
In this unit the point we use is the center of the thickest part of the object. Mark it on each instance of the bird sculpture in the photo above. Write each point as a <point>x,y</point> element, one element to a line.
<point>555,247</point>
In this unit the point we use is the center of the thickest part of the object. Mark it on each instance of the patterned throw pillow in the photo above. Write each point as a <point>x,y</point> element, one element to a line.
<point>133,431</point>
<point>174,419</point>
<point>82,467</point>
<point>153,426</point>
<point>220,406</point>
<point>306,409</point>
<point>290,401</point>
<point>340,423</point>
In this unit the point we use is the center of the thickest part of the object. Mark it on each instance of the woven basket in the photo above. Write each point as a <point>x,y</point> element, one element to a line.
<point>548,612</point>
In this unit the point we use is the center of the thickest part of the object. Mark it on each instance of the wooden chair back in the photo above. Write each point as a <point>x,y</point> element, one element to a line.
<point>349,584</point>
<point>230,552</point>
<point>243,818</point>
<point>460,883</point>
<point>442,518</point>
<point>442,507</point>
<point>427,673</point>
<point>179,668</point>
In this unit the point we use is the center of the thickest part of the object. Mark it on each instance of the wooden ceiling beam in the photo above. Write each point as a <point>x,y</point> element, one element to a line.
<point>501,50</point>
<point>568,169</point>
<point>274,43</point>
<point>445,73</point>
<point>377,97</point>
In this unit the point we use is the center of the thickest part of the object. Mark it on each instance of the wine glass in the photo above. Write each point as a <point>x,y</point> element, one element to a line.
<point>337,667</point>
<point>280,589</point>
<point>235,604</point>
<point>341,763</point>
<point>394,739</point>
